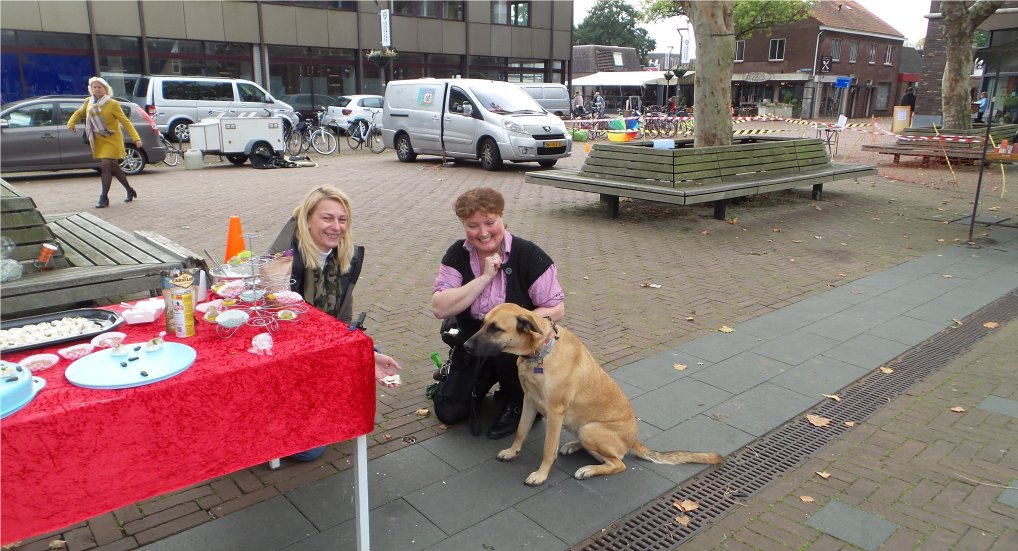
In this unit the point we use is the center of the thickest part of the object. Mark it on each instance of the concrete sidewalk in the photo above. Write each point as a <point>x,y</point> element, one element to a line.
<point>450,492</point>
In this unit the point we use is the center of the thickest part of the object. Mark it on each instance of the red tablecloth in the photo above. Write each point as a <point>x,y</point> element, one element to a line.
<point>73,453</point>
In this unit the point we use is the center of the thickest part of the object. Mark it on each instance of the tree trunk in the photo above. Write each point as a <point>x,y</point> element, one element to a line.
<point>960,20</point>
<point>714,30</point>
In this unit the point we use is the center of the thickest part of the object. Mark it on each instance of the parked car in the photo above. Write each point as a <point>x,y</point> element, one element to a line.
<point>177,101</point>
<point>307,105</point>
<point>553,97</point>
<point>35,136</point>
<point>348,108</point>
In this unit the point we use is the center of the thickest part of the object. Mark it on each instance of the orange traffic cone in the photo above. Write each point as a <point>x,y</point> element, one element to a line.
<point>234,238</point>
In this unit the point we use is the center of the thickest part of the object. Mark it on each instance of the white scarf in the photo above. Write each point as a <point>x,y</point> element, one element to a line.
<point>94,119</point>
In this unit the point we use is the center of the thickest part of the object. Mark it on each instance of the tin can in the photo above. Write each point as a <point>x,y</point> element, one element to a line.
<point>183,312</point>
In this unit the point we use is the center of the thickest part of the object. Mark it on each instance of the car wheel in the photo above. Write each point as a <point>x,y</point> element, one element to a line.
<point>179,132</point>
<point>404,151</point>
<point>133,162</point>
<point>236,158</point>
<point>547,164</point>
<point>491,158</point>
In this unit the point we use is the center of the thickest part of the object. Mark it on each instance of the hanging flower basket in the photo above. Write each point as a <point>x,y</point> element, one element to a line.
<point>382,57</point>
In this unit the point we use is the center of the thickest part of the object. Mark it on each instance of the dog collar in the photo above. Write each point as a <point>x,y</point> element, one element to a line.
<point>544,350</point>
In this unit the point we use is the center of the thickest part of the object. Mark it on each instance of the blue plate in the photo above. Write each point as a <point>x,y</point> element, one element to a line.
<point>7,407</point>
<point>104,371</point>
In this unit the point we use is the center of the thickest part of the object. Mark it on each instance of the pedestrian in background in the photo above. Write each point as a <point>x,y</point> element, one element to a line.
<point>103,119</point>
<point>909,99</point>
<point>578,110</point>
<point>983,101</point>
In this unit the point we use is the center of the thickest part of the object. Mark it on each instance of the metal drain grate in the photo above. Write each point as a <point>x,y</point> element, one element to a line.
<point>750,469</point>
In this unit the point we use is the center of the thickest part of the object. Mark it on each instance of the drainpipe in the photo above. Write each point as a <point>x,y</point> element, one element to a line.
<point>816,87</point>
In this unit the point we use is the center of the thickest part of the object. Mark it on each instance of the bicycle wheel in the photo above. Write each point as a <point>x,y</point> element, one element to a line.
<point>172,153</point>
<point>375,142</point>
<point>294,142</point>
<point>355,135</point>
<point>324,142</point>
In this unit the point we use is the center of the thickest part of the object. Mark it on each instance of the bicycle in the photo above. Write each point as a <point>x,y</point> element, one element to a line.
<point>361,131</point>
<point>173,153</point>
<point>320,136</point>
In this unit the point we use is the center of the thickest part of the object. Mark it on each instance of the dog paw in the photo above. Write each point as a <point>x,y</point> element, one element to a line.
<point>583,473</point>
<point>570,447</point>
<point>536,479</point>
<point>507,454</point>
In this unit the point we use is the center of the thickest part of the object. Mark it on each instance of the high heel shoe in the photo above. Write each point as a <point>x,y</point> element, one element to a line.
<point>103,203</point>
<point>131,195</point>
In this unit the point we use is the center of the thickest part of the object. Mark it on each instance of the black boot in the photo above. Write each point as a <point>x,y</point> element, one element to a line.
<point>506,423</point>
<point>131,194</point>
<point>104,202</point>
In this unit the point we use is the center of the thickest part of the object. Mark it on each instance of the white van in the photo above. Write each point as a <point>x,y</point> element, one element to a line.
<point>553,97</point>
<point>471,119</point>
<point>177,101</point>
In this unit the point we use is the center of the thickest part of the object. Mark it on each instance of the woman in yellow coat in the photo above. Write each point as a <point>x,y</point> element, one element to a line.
<point>103,118</point>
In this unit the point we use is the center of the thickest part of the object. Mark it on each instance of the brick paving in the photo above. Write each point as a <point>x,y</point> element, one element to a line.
<point>774,251</point>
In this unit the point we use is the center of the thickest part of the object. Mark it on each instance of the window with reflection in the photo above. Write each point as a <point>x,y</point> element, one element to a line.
<point>429,8</point>
<point>526,70</point>
<point>120,62</point>
<point>308,78</point>
<point>38,63</point>
<point>511,12</point>
<point>489,68</point>
<point>200,58</point>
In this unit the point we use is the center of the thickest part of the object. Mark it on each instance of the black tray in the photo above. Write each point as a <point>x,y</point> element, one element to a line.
<point>107,319</point>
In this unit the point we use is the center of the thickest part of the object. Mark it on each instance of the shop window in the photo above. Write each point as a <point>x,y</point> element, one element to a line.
<point>836,49</point>
<point>777,50</point>
<point>740,50</point>
<point>853,52</point>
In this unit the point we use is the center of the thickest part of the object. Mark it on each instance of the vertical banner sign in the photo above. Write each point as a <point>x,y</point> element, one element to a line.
<point>685,51</point>
<point>383,15</point>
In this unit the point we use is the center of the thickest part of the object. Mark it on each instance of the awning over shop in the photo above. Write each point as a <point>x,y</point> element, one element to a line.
<point>630,78</point>
<point>768,77</point>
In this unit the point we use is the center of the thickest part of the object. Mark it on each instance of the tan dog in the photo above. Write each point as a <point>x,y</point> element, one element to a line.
<point>565,383</point>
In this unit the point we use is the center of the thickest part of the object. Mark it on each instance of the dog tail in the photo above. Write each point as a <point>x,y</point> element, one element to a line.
<point>676,457</point>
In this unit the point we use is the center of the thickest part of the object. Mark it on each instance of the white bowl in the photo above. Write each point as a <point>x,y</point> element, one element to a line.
<point>39,362</point>
<point>107,339</point>
<point>232,318</point>
<point>76,351</point>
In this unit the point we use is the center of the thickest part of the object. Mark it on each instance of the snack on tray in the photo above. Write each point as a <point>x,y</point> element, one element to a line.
<point>232,318</point>
<point>231,289</point>
<point>285,297</point>
<point>286,314</point>
<point>45,331</point>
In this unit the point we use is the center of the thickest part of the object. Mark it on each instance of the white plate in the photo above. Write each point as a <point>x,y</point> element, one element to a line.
<point>102,370</point>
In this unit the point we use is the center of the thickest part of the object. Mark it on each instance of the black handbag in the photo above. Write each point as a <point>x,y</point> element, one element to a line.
<point>84,137</point>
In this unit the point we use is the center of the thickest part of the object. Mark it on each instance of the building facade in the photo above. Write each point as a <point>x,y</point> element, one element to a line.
<point>802,63</point>
<point>289,47</point>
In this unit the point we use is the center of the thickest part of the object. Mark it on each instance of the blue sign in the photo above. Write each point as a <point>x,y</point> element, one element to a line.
<point>842,82</point>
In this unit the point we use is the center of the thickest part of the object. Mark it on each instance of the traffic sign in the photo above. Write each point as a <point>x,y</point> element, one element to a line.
<point>842,82</point>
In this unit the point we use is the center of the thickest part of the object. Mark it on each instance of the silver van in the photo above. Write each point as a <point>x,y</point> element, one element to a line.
<point>177,101</point>
<point>553,97</point>
<point>471,119</point>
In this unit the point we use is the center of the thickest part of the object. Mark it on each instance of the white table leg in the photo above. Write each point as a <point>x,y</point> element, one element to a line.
<point>361,487</point>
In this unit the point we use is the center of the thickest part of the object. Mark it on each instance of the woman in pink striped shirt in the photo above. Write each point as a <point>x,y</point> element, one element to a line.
<point>487,268</point>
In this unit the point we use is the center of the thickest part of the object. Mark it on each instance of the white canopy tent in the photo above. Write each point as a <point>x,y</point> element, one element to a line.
<point>630,86</point>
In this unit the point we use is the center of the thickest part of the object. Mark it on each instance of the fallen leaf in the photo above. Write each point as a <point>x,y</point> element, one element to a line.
<point>887,370</point>
<point>957,321</point>
<point>940,241</point>
<point>834,397</point>
<point>791,260</point>
<point>991,325</point>
<point>386,436</point>
<point>993,209</point>
<point>679,367</point>
<point>817,237</point>
<point>654,286</point>
<point>797,241</point>
<point>423,412</point>
<point>726,329</point>
<point>817,207</point>
<point>823,474</point>
<point>849,423</point>
<point>734,220</point>
<point>947,276</point>
<point>689,318</point>
<point>10,546</point>
<point>842,275</point>
<point>686,505</point>
<point>705,232</point>
<point>683,520</point>
<point>817,421</point>
<point>958,409</point>
<point>585,278</point>
<point>57,544</point>
<point>843,244</point>
<point>776,230</point>
<point>806,499</point>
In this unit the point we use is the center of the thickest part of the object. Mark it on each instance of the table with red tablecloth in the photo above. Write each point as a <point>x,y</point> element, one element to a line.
<point>74,453</point>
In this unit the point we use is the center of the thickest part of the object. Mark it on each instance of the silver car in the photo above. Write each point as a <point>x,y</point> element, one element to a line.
<point>35,137</point>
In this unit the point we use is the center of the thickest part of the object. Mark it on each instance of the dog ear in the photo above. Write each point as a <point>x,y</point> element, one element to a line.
<point>525,324</point>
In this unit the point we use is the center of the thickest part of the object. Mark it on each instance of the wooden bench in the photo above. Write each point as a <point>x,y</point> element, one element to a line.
<point>97,260</point>
<point>932,149</point>
<point>688,175</point>
<point>929,151</point>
